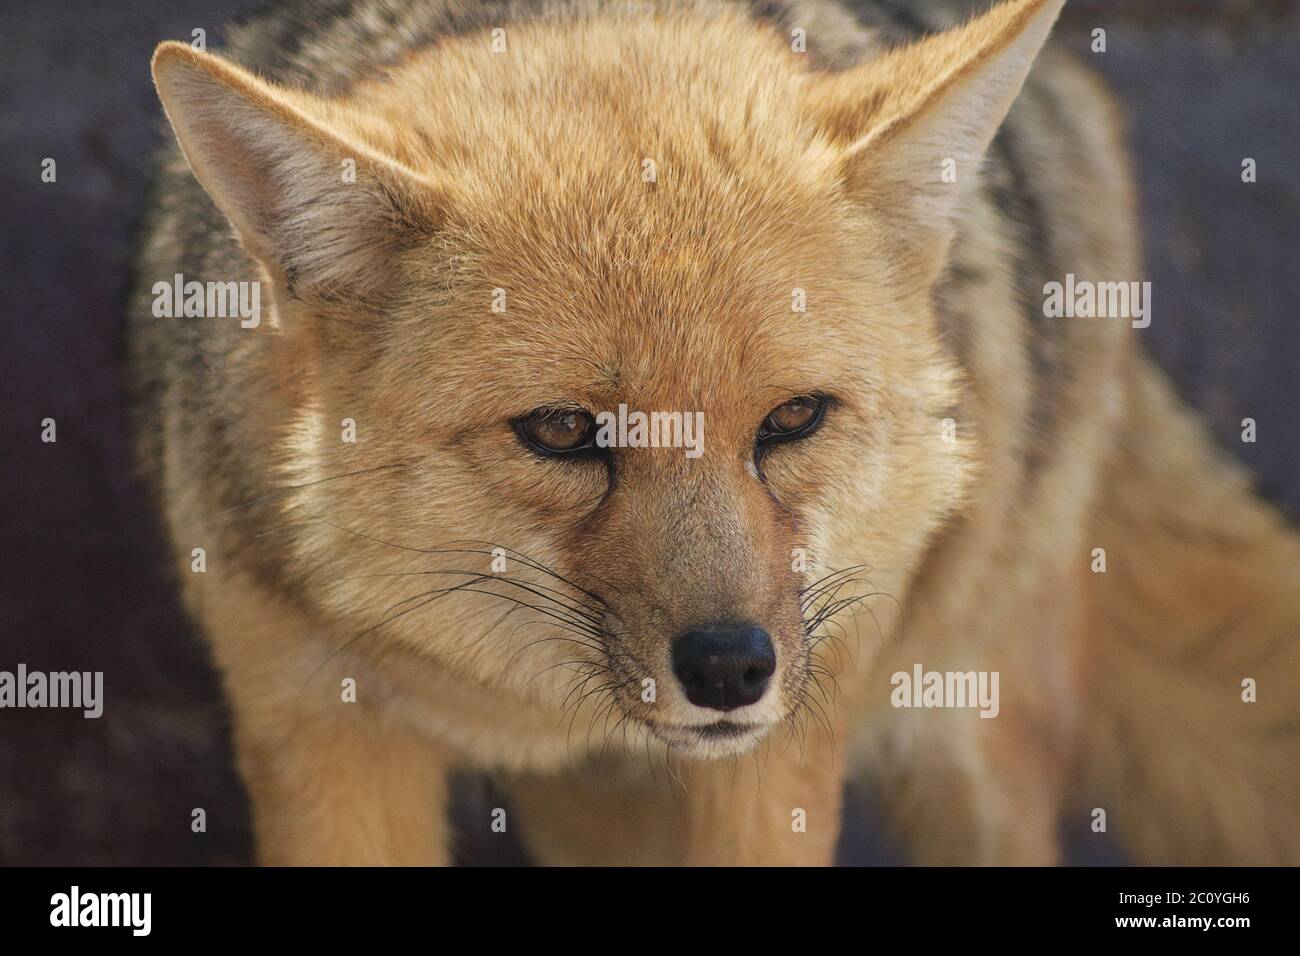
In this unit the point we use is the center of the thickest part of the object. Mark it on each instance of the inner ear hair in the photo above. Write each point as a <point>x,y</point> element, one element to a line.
<point>306,195</point>
<point>904,117</point>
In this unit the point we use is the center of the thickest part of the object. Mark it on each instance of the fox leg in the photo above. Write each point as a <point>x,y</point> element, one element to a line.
<point>979,796</point>
<point>964,789</point>
<point>345,792</point>
<point>332,780</point>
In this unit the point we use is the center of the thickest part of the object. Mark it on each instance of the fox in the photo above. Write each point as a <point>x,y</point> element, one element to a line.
<point>415,550</point>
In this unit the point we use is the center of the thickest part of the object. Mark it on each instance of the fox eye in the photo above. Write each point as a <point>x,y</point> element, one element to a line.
<point>552,431</point>
<point>795,419</point>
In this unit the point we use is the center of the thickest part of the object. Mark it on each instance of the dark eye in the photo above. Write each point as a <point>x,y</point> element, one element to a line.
<point>795,419</point>
<point>552,431</point>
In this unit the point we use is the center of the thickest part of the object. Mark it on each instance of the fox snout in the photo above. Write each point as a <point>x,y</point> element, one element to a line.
<point>719,686</point>
<point>705,608</point>
<point>725,666</point>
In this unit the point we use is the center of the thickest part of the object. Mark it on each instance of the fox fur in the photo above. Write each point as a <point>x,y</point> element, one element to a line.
<point>461,212</point>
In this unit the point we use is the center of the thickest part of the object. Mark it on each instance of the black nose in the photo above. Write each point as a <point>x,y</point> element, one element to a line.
<point>724,666</point>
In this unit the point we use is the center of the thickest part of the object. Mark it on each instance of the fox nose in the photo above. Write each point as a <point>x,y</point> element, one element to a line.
<point>724,666</point>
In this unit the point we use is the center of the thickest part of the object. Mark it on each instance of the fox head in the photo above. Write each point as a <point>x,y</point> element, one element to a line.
<point>478,256</point>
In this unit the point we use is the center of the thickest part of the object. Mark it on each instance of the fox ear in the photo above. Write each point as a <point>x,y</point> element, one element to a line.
<point>914,123</point>
<point>320,209</point>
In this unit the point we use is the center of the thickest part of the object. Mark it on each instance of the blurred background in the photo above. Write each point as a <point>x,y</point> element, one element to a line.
<point>1207,83</point>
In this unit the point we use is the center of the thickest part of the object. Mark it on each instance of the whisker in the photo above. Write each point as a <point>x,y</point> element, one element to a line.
<point>531,587</point>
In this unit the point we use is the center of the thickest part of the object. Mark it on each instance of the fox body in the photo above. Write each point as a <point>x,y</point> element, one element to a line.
<point>476,227</point>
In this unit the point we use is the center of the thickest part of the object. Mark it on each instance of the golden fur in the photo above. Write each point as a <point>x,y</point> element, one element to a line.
<point>522,171</point>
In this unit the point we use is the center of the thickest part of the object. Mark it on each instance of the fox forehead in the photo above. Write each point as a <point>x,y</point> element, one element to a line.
<point>666,190</point>
<point>674,229</point>
<point>568,289</point>
<point>645,191</point>
<point>698,325</point>
<point>566,101</point>
<point>687,364</point>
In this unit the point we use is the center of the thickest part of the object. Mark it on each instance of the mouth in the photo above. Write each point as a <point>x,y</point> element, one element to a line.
<point>718,739</point>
